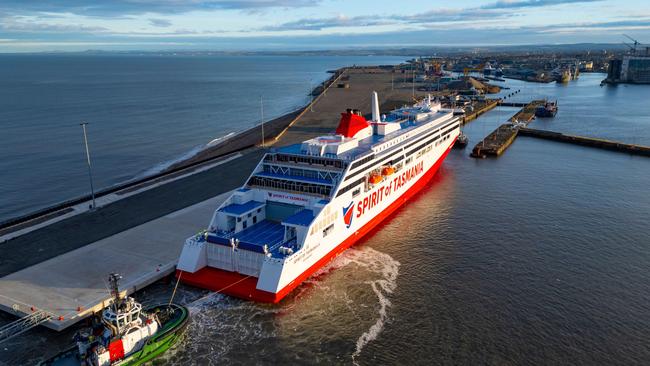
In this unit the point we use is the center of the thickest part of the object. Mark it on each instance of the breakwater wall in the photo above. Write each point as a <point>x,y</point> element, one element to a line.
<point>586,141</point>
<point>273,129</point>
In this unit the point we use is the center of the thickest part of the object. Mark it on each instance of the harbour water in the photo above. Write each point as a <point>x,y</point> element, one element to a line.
<point>537,257</point>
<point>144,113</point>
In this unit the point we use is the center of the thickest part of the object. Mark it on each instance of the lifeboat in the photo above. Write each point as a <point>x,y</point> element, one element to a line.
<point>374,178</point>
<point>387,170</point>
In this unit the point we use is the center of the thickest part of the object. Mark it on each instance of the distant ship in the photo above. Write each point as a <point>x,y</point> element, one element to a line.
<point>490,71</point>
<point>304,204</point>
<point>548,109</point>
<point>562,76</point>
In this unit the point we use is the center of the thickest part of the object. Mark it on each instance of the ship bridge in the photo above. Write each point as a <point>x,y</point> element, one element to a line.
<point>299,174</point>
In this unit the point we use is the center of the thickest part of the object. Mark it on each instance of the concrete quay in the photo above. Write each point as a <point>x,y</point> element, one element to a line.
<point>73,286</point>
<point>59,265</point>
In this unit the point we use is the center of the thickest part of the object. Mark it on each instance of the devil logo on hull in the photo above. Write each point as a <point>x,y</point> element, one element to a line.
<point>347,214</point>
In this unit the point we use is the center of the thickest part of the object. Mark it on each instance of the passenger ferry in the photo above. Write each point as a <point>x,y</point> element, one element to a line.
<point>306,203</point>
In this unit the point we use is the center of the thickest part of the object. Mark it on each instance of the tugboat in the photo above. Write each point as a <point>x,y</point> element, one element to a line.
<point>125,334</point>
<point>548,109</point>
<point>461,141</point>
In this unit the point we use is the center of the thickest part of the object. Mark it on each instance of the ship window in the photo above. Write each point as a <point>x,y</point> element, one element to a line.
<point>356,192</point>
<point>245,224</point>
<point>254,219</point>
<point>351,186</point>
<point>294,186</point>
<point>239,219</point>
<point>328,230</point>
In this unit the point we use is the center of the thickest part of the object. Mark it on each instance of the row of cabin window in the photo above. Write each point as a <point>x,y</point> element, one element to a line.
<point>391,160</point>
<point>362,161</point>
<point>306,160</point>
<point>396,141</point>
<point>445,138</point>
<point>447,131</point>
<point>302,173</point>
<point>405,147</point>
<point>287,185</point>
<point>350,186</point>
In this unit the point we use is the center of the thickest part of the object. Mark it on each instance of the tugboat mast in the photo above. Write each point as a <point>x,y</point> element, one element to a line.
<point>113,280</point>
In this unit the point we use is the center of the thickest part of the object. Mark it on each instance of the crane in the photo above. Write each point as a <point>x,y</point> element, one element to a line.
<point>478,68</point>
<point>635,44</point>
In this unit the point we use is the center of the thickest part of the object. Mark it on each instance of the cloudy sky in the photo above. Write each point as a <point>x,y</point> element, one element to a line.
<point>75,25</point>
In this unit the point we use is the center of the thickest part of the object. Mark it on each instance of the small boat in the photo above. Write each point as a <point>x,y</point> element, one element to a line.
<point>125,334</point>
<point>461,141</point>
<point>548,109</point>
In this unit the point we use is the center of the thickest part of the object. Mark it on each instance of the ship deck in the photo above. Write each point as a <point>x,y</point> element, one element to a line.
<point>365,145</point>
<point>254,238</point>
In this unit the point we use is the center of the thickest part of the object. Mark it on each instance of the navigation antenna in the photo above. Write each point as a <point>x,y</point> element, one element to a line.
<point>113,280</point>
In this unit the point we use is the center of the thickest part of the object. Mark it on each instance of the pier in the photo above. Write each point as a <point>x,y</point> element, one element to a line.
<point>500,139</point>
<point>496,142</point>
<point>586,141</point>
<point>527,113</point>
<point>488,105</point>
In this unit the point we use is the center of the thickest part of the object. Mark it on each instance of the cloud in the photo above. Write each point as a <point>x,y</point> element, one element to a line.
<point>109,8</point>
<point>517,4</point>
<point>450,15</point>
<point>499,9</point>
<point>160,22</point>
<point>27,25</point>
<point>609,25</point>
<point>323,23</point>
<point>428,17</point>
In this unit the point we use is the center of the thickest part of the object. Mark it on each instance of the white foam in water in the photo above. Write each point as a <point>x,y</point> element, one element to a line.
<point>381,263</point>
<point>192,152</point>
<point>215,315</point>
<point>166,164</point>
<point>376,262</point>
<point>220,139</point>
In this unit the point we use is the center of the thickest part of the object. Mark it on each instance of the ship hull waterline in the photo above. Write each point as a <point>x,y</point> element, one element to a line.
<point>244,287</point>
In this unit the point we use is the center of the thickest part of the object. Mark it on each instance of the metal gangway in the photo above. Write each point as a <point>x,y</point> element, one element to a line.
<point>20,326</point>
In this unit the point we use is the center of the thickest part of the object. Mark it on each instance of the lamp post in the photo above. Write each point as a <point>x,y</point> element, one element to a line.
<point>90,174</point>
<point>311,97</point>
<point>262,118</point>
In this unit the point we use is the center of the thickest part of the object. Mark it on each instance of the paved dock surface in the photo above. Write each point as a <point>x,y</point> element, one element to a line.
<point>74,285</point>
<point>63,266</point>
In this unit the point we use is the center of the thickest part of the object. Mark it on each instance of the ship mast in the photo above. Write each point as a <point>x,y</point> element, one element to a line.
<point>113,280</point>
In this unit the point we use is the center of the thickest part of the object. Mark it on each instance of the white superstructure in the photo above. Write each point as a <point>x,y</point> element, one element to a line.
<point>306,203</point>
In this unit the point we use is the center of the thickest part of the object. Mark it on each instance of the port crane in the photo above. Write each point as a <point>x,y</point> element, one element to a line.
<point>634,45</point>
<point>478,68</point>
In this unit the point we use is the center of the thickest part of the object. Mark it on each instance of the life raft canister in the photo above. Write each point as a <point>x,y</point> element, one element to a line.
<point>387,170</point>
<point>374,178</point>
